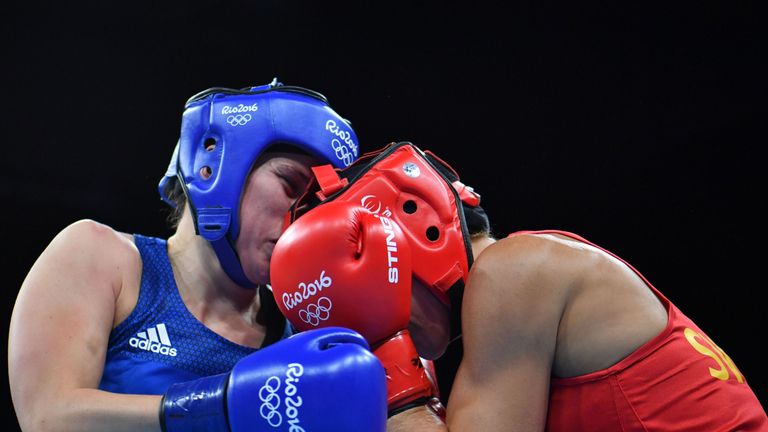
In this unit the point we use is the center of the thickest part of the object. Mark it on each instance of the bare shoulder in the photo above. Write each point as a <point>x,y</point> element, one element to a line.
<point>529,255</point>
<point>519,284</point>
<point>91,250</point>
<point>91,230</point>
<point>548,254</point>
<point>88,236</point>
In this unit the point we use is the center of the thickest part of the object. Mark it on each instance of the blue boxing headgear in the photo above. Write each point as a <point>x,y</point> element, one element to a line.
<point>224,131</point>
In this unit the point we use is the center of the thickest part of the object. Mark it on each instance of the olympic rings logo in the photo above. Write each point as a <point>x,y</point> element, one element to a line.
<point>270,399</point>
<point>343,137</point>
<point>239,119</point>
<point>342,152</point>
<point>317,312</point>
<point>270,402</point>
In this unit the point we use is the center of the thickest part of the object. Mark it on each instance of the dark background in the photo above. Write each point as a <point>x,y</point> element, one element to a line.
<point>632,125</point>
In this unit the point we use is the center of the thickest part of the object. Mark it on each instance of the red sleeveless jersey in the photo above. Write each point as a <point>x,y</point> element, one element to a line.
<point>678,381</point>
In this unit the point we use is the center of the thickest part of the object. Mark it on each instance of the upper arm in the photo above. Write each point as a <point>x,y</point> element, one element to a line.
<point>64,313</point>
<point>510,318</point>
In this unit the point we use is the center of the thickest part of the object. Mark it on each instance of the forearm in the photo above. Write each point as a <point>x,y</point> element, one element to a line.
<point>86,410</point>
<point>421,419</point>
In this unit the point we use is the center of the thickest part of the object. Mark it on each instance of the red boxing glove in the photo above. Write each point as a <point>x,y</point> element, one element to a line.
<point>429,365</point>
<point>341,265</point>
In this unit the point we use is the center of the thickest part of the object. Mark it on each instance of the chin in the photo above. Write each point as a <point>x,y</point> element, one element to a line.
<point>430,343</point>
<point>258,271</point>
<point>432,353</point>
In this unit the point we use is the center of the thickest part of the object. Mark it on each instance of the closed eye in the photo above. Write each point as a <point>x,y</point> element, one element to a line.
<point>293,188</point>
<point>294,179</point>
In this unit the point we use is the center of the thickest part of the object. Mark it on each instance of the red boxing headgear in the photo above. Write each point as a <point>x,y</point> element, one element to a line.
<point>424,196</point>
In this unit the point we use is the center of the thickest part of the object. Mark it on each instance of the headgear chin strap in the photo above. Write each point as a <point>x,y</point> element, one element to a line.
<point>224,131</point>
<point>424,196</point>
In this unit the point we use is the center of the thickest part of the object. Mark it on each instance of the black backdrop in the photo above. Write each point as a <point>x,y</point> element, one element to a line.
<point>633,126</point>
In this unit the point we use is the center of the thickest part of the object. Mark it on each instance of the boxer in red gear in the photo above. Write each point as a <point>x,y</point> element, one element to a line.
<point>558,334</point>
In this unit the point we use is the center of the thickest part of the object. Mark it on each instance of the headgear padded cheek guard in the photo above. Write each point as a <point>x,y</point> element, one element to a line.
<point>424,196</point>
<point>224,131</point>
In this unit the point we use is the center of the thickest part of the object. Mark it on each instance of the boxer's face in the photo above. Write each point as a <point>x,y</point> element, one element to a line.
<point>430,322</point>
<point>275,182</point>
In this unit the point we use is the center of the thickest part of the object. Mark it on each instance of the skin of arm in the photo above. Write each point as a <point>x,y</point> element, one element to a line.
<point>69,302</point>
<point>512,307</point>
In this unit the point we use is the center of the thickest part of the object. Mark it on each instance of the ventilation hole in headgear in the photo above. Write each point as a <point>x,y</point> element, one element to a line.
<point>409,206</point>
<point>433,233</point>
<point>210,144</point>
<point>205,172</point>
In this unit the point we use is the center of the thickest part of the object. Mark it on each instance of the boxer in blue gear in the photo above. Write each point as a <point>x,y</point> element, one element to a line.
<point>105,321</point>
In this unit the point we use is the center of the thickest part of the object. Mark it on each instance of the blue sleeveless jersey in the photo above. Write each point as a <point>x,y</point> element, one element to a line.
<point>161,342</point>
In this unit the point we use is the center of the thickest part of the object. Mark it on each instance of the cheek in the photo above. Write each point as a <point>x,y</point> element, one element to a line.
<point>255,250</point>
<point>251,225</point>
<point>263,207</point>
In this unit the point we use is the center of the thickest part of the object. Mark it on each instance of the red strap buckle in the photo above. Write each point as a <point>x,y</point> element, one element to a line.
<point>467,194</point>
<point>329,181</point>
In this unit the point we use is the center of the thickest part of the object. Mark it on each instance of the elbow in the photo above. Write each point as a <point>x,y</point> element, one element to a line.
<point>29,421</point>
<point>39,417</point>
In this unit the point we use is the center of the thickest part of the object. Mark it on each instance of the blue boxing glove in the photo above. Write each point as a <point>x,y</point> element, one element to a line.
<point>318,380</point>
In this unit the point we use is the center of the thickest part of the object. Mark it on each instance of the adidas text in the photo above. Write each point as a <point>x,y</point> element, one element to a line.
<point>155,347</point>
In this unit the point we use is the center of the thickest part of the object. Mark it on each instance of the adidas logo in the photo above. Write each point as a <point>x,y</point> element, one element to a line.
<point>155,339</point>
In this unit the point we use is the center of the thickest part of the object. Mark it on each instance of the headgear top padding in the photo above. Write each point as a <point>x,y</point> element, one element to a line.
<point>224,131</point>
<point>424,196</point>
